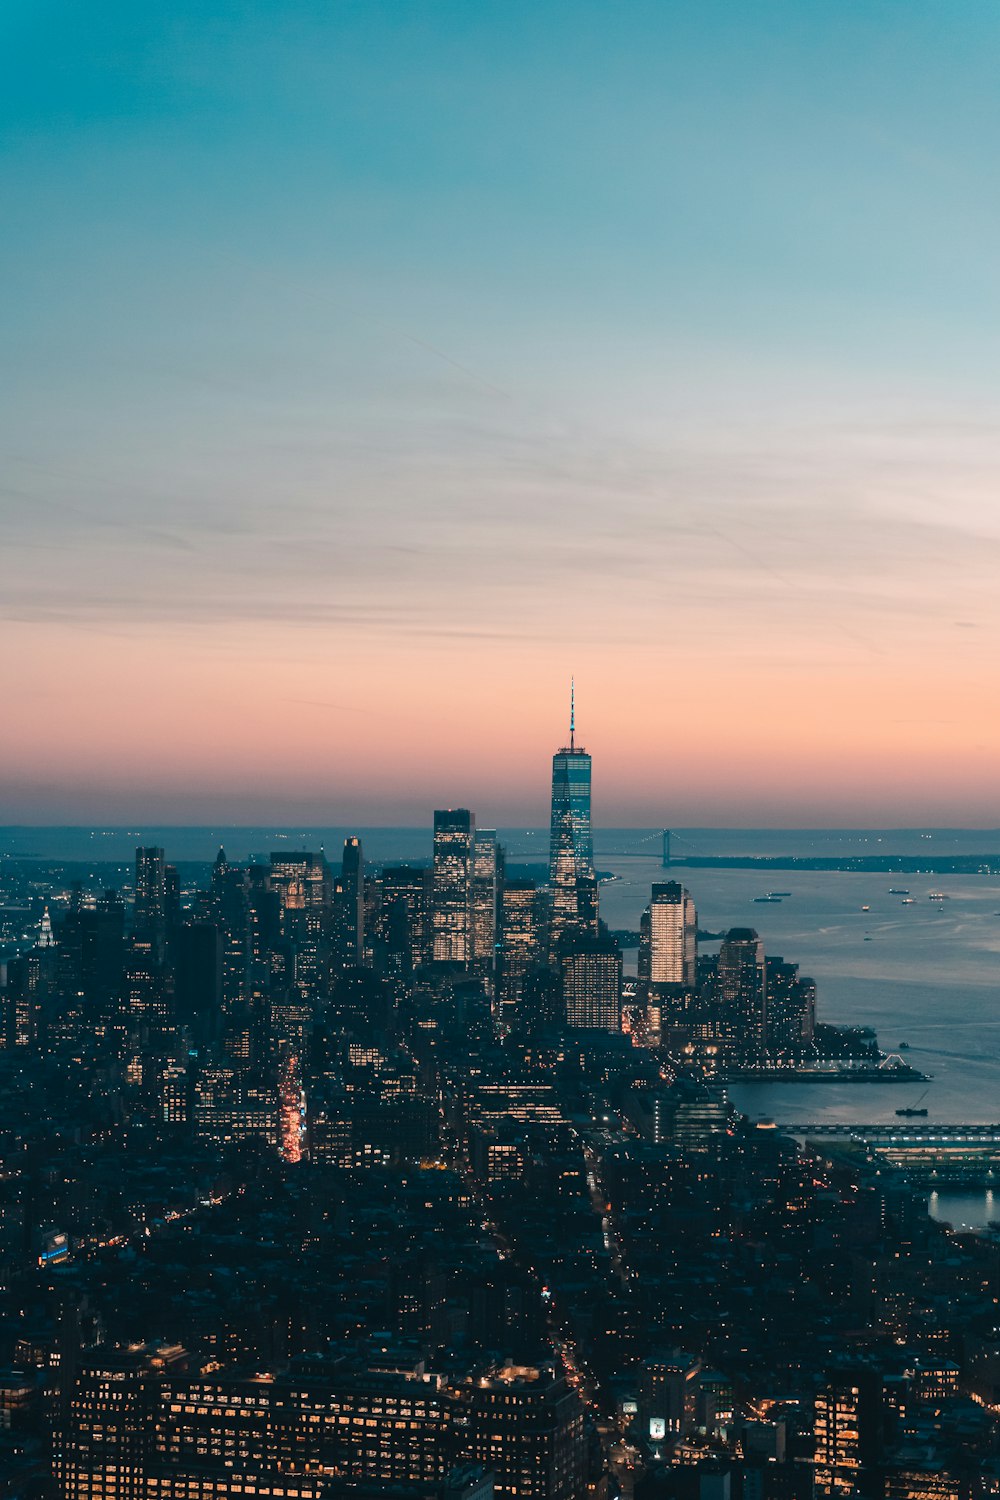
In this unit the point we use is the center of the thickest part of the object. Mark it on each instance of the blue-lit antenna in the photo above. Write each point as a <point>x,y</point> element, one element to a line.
<point>572,713</point>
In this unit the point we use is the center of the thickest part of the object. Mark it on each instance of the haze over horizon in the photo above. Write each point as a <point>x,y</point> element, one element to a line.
<point>370,370</point>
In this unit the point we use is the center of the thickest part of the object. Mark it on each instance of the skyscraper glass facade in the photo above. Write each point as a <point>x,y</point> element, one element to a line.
<point>454,853</point>
<point>571,809</point>
<point>673,936</point>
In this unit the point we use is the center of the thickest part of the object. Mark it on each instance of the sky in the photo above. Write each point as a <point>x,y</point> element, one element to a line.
<point>370,367</point>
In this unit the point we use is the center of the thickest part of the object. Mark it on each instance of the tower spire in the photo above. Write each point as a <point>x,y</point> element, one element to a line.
<point>45,935</point>
<point>572,713</point>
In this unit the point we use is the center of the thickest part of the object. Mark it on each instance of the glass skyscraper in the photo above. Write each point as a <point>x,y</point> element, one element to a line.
<point>454,855</point>
<point>571,847</point>
<point>349,906</point>
<point>571,805</point>
<point>571,809</point>
<point>673,937</point>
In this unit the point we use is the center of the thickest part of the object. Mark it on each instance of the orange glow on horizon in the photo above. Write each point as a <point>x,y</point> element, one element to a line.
<point>263,724</point>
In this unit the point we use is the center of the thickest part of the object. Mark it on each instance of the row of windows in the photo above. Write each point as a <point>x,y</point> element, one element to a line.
<point>217,1403</point>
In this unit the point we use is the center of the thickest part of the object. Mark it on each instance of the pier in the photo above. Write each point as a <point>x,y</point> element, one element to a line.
<point>925,1130</point>
<point>930,1155</point>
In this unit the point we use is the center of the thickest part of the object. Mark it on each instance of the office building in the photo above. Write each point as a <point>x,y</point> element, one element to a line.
<point>454,852</point>
<point>23,999</point>
<point>541,1005</point>
<point>134,1421</point>
<point>149,913</point>
<point>849,1431</point>
<point>592,983</point>
<point>572,885</point>
<point>229,1107</point>
<point>145,998</point>
<point>404,917</point>
<point>198,980</point>
<point>230,910</point>
<point>669,952</point>
<point>305,890</point>
<point>487,877</point>
<point>526,1424</point>
<point>518,938</point>
<point>302,880</point>
<point>668,1394</point>
<point>791,1010</point>
<point>349,907</point>
<point>571,772</point>
<point>742,995</point>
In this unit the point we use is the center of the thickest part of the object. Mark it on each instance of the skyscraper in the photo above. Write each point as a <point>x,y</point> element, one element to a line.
<point>149,917</point>
<point>486,881</point>
<point>302,881</point>
<point>230,911</point>
<point>571,848</point>
<point>349,906</point>
<point>518,938</point>
<point>404,917</point>
<point>791,1009</point>
<point>454,851</point>
<point>742,984</point>
<point>198,981</point>
<point>592,983</point>
<point>571,802</point>
<point>672,956</point>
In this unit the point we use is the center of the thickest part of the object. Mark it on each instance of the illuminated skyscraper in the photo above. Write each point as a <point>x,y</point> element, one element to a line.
<point>571,803</point>
<point>230,910</point>
<point>672,957</point>
<point>404,917</point>
<point>149,916</point>
<point>145,997</point>
<point>518,938</point>
<point>742,984</point>
<point>46,939</point>
<point>302,881</point>
<point>454,852</point>
<point>571,849</point>
<point>486,880</point>
<point>592,983</point>
<point>349,906</point>
<point>305,889</point>
<point>22,999</point>
<point>849,1427</point>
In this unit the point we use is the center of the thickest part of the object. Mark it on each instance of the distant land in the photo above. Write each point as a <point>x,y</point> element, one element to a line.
<point>888,864</point>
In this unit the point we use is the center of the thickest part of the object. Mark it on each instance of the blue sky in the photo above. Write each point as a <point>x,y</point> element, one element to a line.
<point>559,333</point>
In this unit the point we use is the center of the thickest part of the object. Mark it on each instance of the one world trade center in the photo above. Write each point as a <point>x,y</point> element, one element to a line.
<point>571,848</point>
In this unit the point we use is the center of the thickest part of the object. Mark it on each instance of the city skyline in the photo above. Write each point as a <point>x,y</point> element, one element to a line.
<point>427,1177</point>
<point>369,374</point>
<point>499,864</point>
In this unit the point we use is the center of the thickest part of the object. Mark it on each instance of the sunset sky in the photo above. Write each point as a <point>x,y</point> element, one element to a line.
<point>369,368</point>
